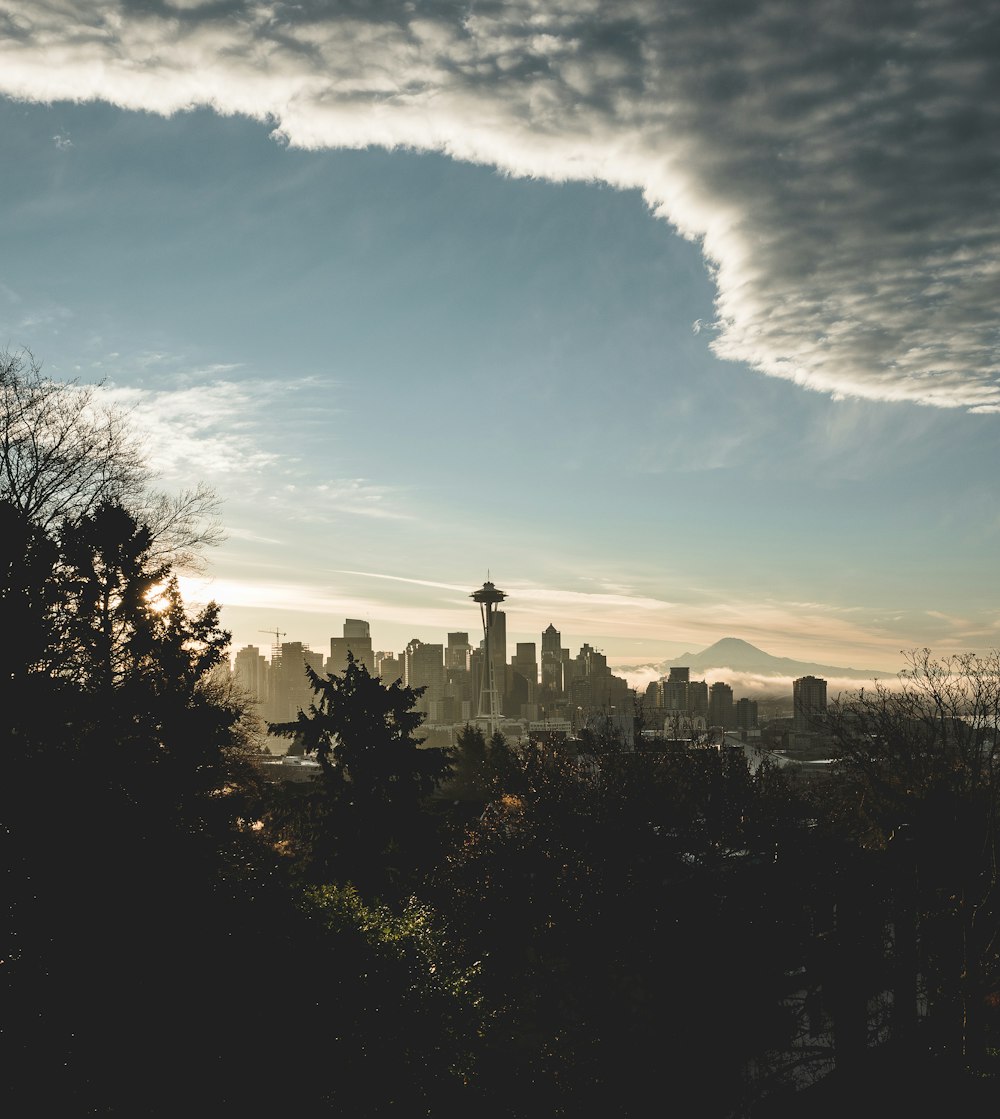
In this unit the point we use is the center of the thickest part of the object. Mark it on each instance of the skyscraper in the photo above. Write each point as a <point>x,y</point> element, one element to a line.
<point>808,705</point>
<point>498,644</point>
<point>424,668</point>
<point>697,693</point>
<point>720,706</point>
<point>290,691</point>
<point>250,671</point>
<point>357,639</point>
<point>746,714</point>
<point>552,674</point>
<point>457,653</point>
<point>676,689</point>
<point>389,667</point>
<point>525,662</point>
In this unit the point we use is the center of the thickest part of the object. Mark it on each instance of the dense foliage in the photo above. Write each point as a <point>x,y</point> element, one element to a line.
<point>364,821</point>
<point>920,766</point>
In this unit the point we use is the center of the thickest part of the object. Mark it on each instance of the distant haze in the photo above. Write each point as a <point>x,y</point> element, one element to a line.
<point>749,670</point>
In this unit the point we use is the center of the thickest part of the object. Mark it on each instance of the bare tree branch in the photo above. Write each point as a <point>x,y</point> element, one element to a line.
<point>183,525</point>
<point>63,452</point>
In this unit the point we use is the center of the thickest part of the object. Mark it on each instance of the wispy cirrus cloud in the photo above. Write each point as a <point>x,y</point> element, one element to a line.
<point>320,502</point>
<point>324,608</point>
<point>236,434</point>
<point>837,164</point>
<point>402,579</point>
<point>200,429</point>
<point>18,314</point>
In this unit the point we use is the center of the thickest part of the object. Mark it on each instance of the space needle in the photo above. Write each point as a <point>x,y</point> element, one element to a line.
<point>488,716</point>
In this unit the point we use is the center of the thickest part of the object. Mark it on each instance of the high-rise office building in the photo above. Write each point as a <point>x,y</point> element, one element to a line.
<point>552,673</point>
<point>522,678</point>
<point>591,684</point>
<point>250,672</point>
<point>808,705</point>
<point>653,697</point>
<point>570,670</point>
<point>720,706</point>
<point>590,662</point>
<point>697,691</point>
<point>458,651</point>
<point>498,644</point>
<point>525,661</point>
<point>289,691</point>
<point>477,658</point>
<point>424,668</point>
<point>675,691</point>
<point>746,714</point>
<point>357,640</point>
<point>388,667</point>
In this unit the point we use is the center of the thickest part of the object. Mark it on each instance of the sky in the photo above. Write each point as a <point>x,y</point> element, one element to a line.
<point>675,320</point>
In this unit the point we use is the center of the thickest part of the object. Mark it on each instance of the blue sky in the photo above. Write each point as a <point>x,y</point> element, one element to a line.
<point>401,369</point>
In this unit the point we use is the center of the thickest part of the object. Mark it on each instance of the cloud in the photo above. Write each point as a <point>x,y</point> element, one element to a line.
<point>232,433</point>
<point>752,684</point>
<point>837,163</point>
<point>251,536</point>
<point>322,610</point>
<point>403,579</point>
<point>17,314</point>
<point>200,430</point>
<point>326,501</point>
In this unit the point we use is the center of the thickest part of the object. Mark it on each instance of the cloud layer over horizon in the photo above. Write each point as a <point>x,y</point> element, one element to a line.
<point>837,163</point>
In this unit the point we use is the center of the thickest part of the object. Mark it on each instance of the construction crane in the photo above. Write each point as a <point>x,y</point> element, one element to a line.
<point>278,635</point>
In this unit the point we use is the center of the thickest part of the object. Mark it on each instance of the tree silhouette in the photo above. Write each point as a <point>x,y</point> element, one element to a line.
<point>121,806</point>
<point>364,825</point>
<point>143,902</point>
<point>480,768</point>
<point>64,452</point>
<point>919,767</point>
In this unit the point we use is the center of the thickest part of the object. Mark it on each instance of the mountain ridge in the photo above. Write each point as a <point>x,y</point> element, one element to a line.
<point>741,656</point>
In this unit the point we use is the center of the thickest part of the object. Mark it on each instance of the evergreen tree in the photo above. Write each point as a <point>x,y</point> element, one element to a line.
<point>364,825</point>
<point>138,903</point>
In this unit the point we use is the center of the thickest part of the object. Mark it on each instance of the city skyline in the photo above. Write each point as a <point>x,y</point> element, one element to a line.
<point>522,694</point>
<point>753,670</point>
<point>672,329</point>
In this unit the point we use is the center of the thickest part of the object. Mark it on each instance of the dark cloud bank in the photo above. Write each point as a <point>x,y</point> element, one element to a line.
<point>837,162</point>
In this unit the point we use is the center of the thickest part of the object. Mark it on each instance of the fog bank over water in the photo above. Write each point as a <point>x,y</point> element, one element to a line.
<point>750,684</point>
